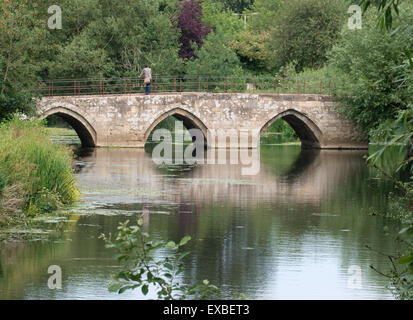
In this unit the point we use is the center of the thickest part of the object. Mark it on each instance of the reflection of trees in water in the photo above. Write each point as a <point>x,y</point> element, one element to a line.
<point>25,263</point>
<point>301,164</point>
<point>277,234</point>
<point>248,251</point>
<point>308,198</point>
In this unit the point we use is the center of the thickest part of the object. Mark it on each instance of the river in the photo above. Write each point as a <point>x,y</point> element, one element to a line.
<point>296,230</point>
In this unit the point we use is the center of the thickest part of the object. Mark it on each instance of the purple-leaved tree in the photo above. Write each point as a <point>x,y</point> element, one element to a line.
<point>193,30</point>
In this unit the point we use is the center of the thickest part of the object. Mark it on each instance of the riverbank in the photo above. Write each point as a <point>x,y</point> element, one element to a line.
<point>36,174</point>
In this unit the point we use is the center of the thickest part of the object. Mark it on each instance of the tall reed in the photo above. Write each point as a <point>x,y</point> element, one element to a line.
<point>37,173</point>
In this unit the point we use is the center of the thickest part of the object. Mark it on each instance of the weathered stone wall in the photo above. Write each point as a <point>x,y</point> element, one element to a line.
<point>127,120</point>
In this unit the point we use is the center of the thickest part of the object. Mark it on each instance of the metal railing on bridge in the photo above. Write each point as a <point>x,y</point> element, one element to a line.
<point>176,84</point>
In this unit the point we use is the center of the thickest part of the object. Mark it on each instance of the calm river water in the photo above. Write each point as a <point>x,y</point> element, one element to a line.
<point>297,230</point>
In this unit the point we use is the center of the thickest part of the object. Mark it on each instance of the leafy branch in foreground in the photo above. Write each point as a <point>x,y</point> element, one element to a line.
<point>143,268</point>
<point>401,272</point>
<point>401,134</point>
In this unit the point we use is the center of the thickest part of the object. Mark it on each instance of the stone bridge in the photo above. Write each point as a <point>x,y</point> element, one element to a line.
<point>127,120</point>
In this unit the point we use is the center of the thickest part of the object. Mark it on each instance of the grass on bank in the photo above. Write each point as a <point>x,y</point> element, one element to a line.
<point>36,175</point>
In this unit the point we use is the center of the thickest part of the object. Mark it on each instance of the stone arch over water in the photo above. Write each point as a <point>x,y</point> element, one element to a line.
<point>83,128</point>
<point>190,121</point>
<point>307,131</point>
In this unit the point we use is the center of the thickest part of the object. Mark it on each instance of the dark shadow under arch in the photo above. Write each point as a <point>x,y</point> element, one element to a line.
<point>84,130</point>
<point>189,120</point>
<point>307,131</point>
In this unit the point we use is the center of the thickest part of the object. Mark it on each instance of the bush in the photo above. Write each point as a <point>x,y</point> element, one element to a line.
<point>143,268</point>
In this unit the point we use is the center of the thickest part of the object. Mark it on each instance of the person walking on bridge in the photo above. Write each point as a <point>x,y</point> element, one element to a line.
<point>147,72</point>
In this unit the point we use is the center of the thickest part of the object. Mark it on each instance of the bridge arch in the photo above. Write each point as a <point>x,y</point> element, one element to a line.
<point>189,120</point>
<point>83,128</point>
<point>307,131</point>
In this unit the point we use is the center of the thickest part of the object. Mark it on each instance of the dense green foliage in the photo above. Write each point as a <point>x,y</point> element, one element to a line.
<point>36,174</point>
<point>304,31</point>
<point>97,39</point>
<point>21,37</point>
<point>367,62</point>
<point>398,132</point>
<point>237,6</point>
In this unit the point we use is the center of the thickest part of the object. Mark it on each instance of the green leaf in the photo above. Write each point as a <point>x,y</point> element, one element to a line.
<point>184,240</point>
<point>171,245</point>
<point>120,256</point>
<point>405,259</point>
<point>122,275</point>
<point>115,287</point>
<point>123,289</point>
<point>145,289</point>
<point>135,277</point>
<point>168,266</point>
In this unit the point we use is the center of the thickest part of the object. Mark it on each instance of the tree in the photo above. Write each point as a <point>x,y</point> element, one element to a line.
<point>237,6</point>
<point>304,31</point>
<point>215,58</point>
<point>123,38</point>
<point>251,50</point>
<point>220,19</point>
<point>250,44</point>
<point>193,30</point>
<point>369,60</point>
<point>22,34</point>
<point>263,14</point>
<point>387,8</point>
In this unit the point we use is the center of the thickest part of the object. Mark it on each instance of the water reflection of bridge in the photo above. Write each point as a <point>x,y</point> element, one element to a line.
<point>306,176</point>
